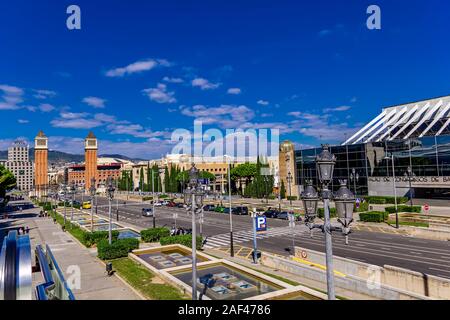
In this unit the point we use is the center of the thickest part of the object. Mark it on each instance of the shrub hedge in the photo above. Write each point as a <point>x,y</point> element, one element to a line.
<point>385,200</point>
<point>320,213</point>
<point>118,248</point>
<point>163,196</point>
<point>363,206</point>
<point>416,209</point>
<point>185,240</point>
<point>293,198</point>
<point>373,216</point>
<point>153,235</point>
<point>147,198</point>
<point>91,238</point>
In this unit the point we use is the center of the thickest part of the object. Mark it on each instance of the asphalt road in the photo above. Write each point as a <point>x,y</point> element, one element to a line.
<point>426,256</point>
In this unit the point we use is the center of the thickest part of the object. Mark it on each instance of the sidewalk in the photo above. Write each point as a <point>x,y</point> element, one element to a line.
<point>70,255</point>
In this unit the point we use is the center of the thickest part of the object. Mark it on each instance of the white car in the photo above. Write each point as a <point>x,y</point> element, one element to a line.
<point>158,204</point>
<point>147,212</point>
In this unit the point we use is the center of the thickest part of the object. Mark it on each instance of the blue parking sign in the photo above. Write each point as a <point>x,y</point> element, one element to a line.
<point>261,223</point>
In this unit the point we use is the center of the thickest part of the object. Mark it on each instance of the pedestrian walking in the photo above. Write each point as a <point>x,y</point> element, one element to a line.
<point>27,230</point>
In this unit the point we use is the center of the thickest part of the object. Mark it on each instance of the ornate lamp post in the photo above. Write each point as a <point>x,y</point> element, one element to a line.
<point>344,206</point>
<point>193,198</point>
<point>92,191</point>
<point>110,193</point>
<point>72,192</point>
<point>289,181</point>
<point>409,174</point>
<point>354,176</point>
<point>64,194</point>
<point>387,158</point>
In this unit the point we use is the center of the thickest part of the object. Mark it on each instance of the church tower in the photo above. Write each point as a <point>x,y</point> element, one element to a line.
<point>90,156</point>
<point>41,162</point>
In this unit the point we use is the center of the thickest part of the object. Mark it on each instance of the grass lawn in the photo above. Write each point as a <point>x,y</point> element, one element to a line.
<point>410,223</point>
<point>140,278</point>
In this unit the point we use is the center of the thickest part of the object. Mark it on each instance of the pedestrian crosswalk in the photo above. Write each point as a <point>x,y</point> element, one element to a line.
<point>222,240</point>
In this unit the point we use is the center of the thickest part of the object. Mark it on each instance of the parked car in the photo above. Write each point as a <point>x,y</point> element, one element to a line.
<point>158,203</point>
<point>147,212</point>
<point>87,205</point>
<point>76,203</point>
<point>227,210</point>
<point>271,213</point>
<point>283,215</point>
<point>180,205</point>
<point>219,209</point>
<point>242,211</point>
<point>209,207</point>
<point>171,204</point>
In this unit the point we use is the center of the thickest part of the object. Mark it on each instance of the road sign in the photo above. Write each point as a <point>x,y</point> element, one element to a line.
<point>261,223</point>
<point>426,207</point>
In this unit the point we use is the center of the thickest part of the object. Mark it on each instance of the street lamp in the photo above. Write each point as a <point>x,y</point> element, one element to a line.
<point>110,193</point>
<point>409,174</point>
<point>230,213</point>
<point>354,177</point>
<point>289,180</point>
<point>193,198</point>
<point>92,191</point>
<point>64,193</point>
<point>395,188</point>
<point>72,192</point>
<point>344,199</point>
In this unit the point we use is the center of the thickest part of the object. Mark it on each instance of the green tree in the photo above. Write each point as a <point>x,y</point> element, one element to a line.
<point>243,172</point>
<point>148,177</point>
<point>141,179</point>
<point>282,190</point>
<point>166,180</point>
<point>7,182</point>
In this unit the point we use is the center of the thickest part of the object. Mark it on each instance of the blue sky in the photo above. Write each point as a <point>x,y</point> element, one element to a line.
<point>137,70</point>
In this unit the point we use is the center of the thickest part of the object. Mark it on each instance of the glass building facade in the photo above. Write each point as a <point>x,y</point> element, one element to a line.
<point>427,156</point>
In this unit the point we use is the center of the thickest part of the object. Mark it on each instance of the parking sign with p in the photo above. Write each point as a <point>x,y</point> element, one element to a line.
<point>261,224</point>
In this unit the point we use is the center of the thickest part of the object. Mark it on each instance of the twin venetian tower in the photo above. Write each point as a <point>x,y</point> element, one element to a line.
<point>41,180</point>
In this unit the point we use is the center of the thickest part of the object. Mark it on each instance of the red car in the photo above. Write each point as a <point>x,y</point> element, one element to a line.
<point>171,204</point>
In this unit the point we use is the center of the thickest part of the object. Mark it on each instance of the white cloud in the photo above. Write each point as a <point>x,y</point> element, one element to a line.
<point>11,97</point>
<point>204,84</point>
<point>337,109</point>
<point>138,66</point>
<point>22,121</point>
<point>173,80</point>
<point>11,90</point>
<point>44,94</point>
<point>234,91</point>
<point>263,102</point>
<point>160,94</point>
<point>95,102</point>
<point>46,107</point>
<point>76,123</point>
<point>226,116</point>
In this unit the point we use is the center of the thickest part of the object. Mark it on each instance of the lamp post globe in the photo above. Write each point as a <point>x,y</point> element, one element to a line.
<point>310,199</point>
<point>325,162</point>
<point>344,200</point>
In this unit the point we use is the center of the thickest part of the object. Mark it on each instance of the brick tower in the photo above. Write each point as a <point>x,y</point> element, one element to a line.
<point>41,162</point>
<point>90,156</point>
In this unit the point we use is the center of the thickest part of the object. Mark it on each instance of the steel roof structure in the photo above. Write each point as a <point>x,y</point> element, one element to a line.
<point>412,120</point>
